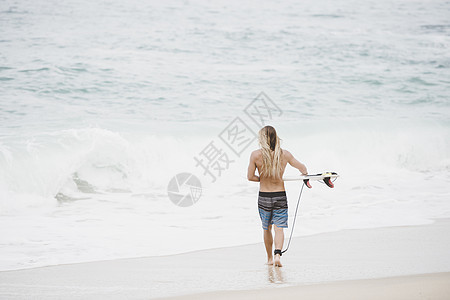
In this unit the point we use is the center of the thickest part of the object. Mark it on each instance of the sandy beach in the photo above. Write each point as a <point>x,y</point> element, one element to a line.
<point>429,286</point>
<point>409,262</point>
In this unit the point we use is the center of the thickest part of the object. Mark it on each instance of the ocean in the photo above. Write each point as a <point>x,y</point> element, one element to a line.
<point>104,105</point>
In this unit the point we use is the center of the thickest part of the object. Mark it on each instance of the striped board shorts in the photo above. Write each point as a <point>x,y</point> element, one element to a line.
<point>273,209</point>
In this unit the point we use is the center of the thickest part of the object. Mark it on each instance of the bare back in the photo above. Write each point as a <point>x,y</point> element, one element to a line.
<point>269,184</point>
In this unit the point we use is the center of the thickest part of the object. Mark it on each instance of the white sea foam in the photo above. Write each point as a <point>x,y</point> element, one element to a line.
<point>93,194</point>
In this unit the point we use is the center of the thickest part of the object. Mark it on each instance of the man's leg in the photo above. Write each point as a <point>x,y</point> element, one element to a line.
<point>268,241</point>
<point>279,241</point>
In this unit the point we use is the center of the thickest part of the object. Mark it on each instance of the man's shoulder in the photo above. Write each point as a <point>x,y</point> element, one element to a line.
<point>286,153</point>
<point>256,153</point>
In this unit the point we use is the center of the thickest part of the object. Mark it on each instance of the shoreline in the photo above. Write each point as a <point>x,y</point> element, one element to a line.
<point>412,287</point>
<point>347,255</point>
<point>219,247</point>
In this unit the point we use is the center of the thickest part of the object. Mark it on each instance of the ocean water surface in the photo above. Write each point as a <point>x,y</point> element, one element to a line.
<point>102,103</point>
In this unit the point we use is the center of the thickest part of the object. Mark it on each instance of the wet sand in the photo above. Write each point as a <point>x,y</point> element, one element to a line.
<point>434,286</point>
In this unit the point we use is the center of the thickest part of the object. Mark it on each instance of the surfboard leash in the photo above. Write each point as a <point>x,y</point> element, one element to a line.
<point>295,217</point>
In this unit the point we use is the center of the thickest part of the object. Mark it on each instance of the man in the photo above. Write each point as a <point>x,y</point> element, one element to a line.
<point>271,162</point>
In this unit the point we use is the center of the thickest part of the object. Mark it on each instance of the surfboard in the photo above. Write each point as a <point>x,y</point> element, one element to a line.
<point>326,177</point>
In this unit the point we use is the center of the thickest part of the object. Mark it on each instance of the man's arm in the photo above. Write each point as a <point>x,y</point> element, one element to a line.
<point>295,163</point>
<point>252,168</point>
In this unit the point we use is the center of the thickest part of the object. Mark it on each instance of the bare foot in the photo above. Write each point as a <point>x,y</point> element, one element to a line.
<point>277,261</point>
<point>270,261</point>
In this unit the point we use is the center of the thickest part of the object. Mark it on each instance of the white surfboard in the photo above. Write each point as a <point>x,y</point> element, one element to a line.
<point>326,177</point>
<point>311,177</point>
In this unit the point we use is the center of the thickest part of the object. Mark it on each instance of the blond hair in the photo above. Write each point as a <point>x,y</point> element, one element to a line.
<point>271,153</point>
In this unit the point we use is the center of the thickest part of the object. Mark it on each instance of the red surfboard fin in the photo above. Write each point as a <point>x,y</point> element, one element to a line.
<point>306,181</point>
<point>328,182</point>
